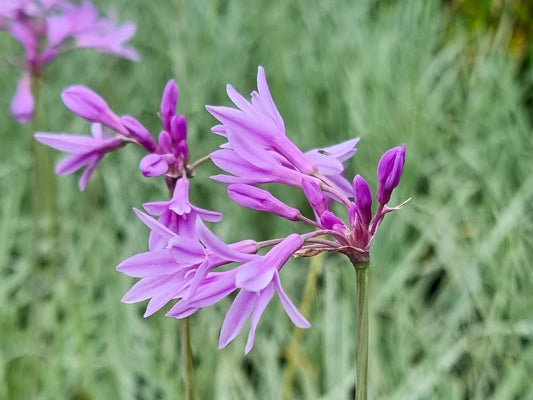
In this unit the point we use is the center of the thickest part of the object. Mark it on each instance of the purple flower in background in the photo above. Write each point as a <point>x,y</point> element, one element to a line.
<point>23,103</point>
<point>85,151</point>
<point>47,28</point>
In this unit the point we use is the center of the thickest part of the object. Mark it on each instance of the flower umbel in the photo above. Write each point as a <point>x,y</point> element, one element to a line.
<point>47,28</point>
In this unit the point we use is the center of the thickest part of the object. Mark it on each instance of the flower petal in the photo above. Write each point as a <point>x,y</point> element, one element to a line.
<point>260,306</point>
<point>157,262</point>
<point>236,317</point>
<point>217,246</point>
<point>255,275</point>
<point>294,314</point>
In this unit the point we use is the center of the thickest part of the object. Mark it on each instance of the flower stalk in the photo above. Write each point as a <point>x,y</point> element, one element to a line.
<point>45,218</point>
<point>361,388</point>
<point>188,365</point>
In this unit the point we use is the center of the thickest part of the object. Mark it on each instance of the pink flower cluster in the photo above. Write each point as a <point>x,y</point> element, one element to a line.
<point>184,257</point>
<point>47,28</point>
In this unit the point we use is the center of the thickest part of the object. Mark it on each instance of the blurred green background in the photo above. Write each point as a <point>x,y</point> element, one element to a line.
<point>451,306</point>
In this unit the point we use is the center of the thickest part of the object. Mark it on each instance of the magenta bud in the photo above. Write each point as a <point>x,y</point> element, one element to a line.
<point>390,170</point>
<point>23,103</point>
<point>137,131</point>
<point>89,105</point>
<point>182,150</point>
<point>178,128</point>
<point>363,198</point>
<point>165,142</point>
<point>331,221</point>
<point>315,196</point>
<point>153,165</point>
<point>261,200</point>
<point>169,102</point>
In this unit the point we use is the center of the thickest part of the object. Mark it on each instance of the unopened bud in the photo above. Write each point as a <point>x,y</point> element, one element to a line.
<point>390,170</point>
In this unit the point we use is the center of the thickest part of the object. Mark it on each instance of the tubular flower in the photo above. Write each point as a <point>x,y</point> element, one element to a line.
<point>85,151</point>
<point>178,214</point>
<point>181,267</point>
<point>47,28</point>
<point>258,151</point>
<point>258,280</point>
<point>169,157</point>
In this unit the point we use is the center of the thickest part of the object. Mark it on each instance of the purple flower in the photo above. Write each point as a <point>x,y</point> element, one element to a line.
<point>85,151</point>
<point>178,214</point>
<point>330,162</point>
<point>258,280</point>
<point>265,168</point>
<point>23,103</point>
<point>258,150</point>
<point>87,104</point>
<point>180,268</point>
<point>171,156</point>
<point>47,28</point>
<point>390,170</point>
<point>260,122</point>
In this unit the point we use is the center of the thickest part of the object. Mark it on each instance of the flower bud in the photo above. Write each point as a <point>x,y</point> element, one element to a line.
<point>261,200</point>
<point>137,131</point>
<point>390,170</point>
<point>23,103</point>
<point>169,102</point>
<point>165,142</point>
<point>153,165</point>
<point>89,105</point>
<point>314,196</point>
<point>331,221</point>
<point>363,198</point>
<point>178,128</point>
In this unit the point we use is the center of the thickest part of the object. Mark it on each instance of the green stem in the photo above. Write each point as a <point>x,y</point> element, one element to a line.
<point>186,351</point>
<point>44,192</point>
<point>361,391</point>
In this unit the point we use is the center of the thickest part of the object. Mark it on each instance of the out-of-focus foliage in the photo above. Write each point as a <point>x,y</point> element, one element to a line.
<point>451,281</point>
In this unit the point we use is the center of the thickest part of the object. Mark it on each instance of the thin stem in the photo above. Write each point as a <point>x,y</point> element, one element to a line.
<point>325,242</point>
<point>198,162</point>
<point>185,334</point>
<point>361,389</point>
<point>44,192</point>
<point>330,187</point>
<point>337,235</point>
<point>377,220</point>
<point>188,366</point>
<point>309,221</point>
